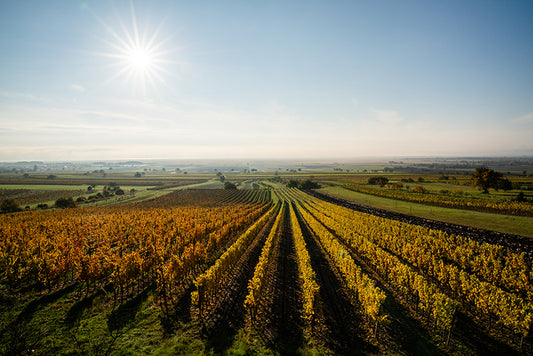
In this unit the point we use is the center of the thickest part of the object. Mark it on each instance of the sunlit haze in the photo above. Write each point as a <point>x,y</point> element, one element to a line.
<point>277,79</point>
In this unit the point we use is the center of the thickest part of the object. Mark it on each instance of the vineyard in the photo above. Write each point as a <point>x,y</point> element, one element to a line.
<point>457,202</point>
<point>28,196</point>
<point>274,271</point>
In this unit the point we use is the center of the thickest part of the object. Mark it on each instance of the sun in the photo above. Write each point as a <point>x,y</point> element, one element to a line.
<point>140,57</point>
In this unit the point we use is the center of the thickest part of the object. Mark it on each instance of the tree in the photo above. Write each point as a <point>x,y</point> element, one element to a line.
<point>308,184</point>
<point>9,206</point>
<point>485,178</point>
<point>229,185</point>
<point>64,203</point>
<point>292,184</point>
<point>137,175</point>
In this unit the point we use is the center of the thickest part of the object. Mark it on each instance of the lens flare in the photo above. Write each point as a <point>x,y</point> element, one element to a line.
<point>140,57</point>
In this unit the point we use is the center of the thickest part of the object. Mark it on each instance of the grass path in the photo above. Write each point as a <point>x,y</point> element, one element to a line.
<point>517,225</point>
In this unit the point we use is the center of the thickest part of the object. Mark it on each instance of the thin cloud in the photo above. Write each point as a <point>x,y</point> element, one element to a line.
<point>388,117</point>
<point>22,96</point>
<point>77,88</point>
<point>525,118</point>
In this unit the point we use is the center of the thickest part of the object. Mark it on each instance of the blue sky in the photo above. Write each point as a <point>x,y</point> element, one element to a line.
<point>265,79</point>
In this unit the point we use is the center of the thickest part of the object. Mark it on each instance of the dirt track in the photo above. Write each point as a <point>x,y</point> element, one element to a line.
<point>285,319</point>
<point>513,242</point>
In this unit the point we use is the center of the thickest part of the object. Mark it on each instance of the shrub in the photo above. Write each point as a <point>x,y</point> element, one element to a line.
<point>381,181</point>
<point>292,184</point>
<point>308,184</point>
<point>229,185</point>
<point>9,206</point>
<point>64,203</point>
<point>419,189</point>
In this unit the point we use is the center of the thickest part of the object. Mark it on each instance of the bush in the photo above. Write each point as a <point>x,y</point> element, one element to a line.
<point>64,203</point>
<point>419,189</point>
<point>505,184</point>
<point>9,206</point>
<point>381,181</point>
<point>229,185</point>
<point>292,184</point>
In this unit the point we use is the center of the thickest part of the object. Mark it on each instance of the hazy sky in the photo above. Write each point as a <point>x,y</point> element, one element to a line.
<point>264,79</point>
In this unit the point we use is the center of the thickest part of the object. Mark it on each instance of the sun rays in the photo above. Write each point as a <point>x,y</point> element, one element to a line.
<point>140,56</point>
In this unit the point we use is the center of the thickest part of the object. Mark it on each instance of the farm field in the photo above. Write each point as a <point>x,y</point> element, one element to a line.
<point>516,225</point>
<point>31,195</point>
<point>254,271</point>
